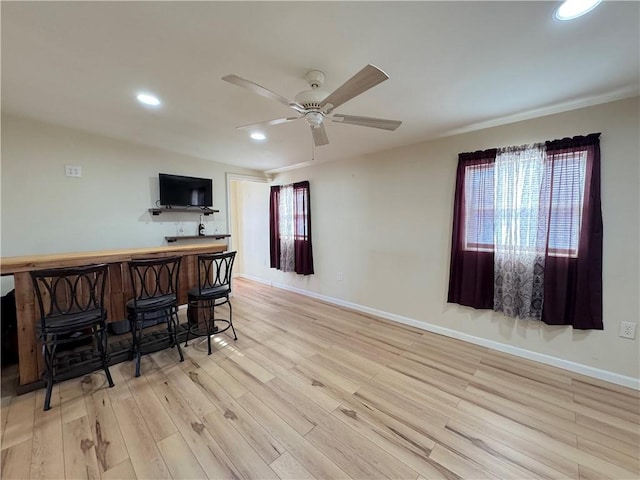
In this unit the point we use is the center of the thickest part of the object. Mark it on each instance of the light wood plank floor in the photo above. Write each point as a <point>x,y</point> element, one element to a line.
<point>311,390</point>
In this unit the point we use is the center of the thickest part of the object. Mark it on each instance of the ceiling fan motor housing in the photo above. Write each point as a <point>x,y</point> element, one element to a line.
<point>311,99</point>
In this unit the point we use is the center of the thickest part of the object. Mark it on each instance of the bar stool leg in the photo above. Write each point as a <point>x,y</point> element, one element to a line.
<point>172,325</point>
<point>49,354</point>
<point>210,323</point>
<point>175,337</point>
<point>102,346</point>
<point>136,328</point>
<point>47,397</point>
<point>138,363</point>
<point>190,309</point>
<point>235,337</point>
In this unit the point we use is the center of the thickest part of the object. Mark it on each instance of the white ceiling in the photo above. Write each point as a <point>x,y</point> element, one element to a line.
<point>454,66</point>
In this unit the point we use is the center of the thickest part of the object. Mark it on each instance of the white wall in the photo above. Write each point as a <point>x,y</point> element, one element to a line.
<point>384,221</point>
<point>45,212</point>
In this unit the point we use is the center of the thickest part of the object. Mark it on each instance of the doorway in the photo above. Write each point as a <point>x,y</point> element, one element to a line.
<point>248,220</point>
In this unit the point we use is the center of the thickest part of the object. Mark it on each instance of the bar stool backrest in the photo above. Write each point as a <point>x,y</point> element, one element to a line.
<point>65,291</point>
<point>155,277</point>
<point>214,271</point>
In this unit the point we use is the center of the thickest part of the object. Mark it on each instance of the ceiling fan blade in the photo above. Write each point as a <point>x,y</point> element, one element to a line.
<point>260,90</point>
<point>382,123</point>
<point>270,122</point>
<point>319,135</point>
<point>368,77</point>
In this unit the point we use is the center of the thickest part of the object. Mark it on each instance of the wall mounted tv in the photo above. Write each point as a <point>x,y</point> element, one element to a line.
<point>180,191</point>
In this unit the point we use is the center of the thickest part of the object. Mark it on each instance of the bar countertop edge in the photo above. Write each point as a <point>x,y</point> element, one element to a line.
<point>27,263</point>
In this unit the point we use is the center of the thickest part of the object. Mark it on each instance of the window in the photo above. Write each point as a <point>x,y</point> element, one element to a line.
<point>478,202</point>
<point>527,232</point>
<point>290,228</point>
<point>560,184</point>
<point>301,218</point>
<point>567,197</point>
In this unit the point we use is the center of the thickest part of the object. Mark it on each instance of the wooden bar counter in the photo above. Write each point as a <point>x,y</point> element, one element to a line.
<point>118,289</point>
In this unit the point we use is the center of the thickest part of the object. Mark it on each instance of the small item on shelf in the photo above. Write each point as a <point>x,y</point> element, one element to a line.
<point>201,229</point>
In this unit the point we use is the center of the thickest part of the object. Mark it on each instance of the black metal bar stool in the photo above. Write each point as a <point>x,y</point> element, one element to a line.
<point>71,302</point>
<point>155,287</point>
<point>213,290</point>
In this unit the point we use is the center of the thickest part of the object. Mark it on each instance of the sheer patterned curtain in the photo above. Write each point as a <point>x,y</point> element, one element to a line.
<point>520,231</point>
<point>287,230</point>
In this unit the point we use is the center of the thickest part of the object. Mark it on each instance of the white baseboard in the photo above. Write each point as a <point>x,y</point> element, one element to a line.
<point>600,374</point>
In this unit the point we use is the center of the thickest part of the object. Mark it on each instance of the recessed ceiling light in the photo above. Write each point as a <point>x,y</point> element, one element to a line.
<point>258,136</point>
<point>571,9</point>
<point>148,99</point>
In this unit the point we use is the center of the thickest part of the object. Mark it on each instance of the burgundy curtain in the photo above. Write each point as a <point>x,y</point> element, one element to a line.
<point>301,208</point>
<point>274,227</point>
<point>302,226</point>
<point>471,269</point>
<point>573,285</point>
<point>573,275</point>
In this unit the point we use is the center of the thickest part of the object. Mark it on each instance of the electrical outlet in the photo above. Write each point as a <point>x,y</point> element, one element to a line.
<point>627,330</point>
<point>73,170</point>
<point>340,276</point>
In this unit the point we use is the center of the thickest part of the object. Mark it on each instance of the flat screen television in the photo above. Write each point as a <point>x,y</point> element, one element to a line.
<point>180,191</point>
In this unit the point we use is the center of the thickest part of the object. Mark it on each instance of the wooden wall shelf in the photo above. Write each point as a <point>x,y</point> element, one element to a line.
<point>218,236</point>
<point>199,210</point>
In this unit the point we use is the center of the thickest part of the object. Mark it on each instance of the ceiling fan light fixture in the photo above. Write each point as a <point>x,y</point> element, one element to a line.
<point>314,119</point>
<point>570,9</point>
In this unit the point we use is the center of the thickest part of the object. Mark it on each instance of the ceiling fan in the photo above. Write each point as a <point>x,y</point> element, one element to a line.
<point>316,105</point>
